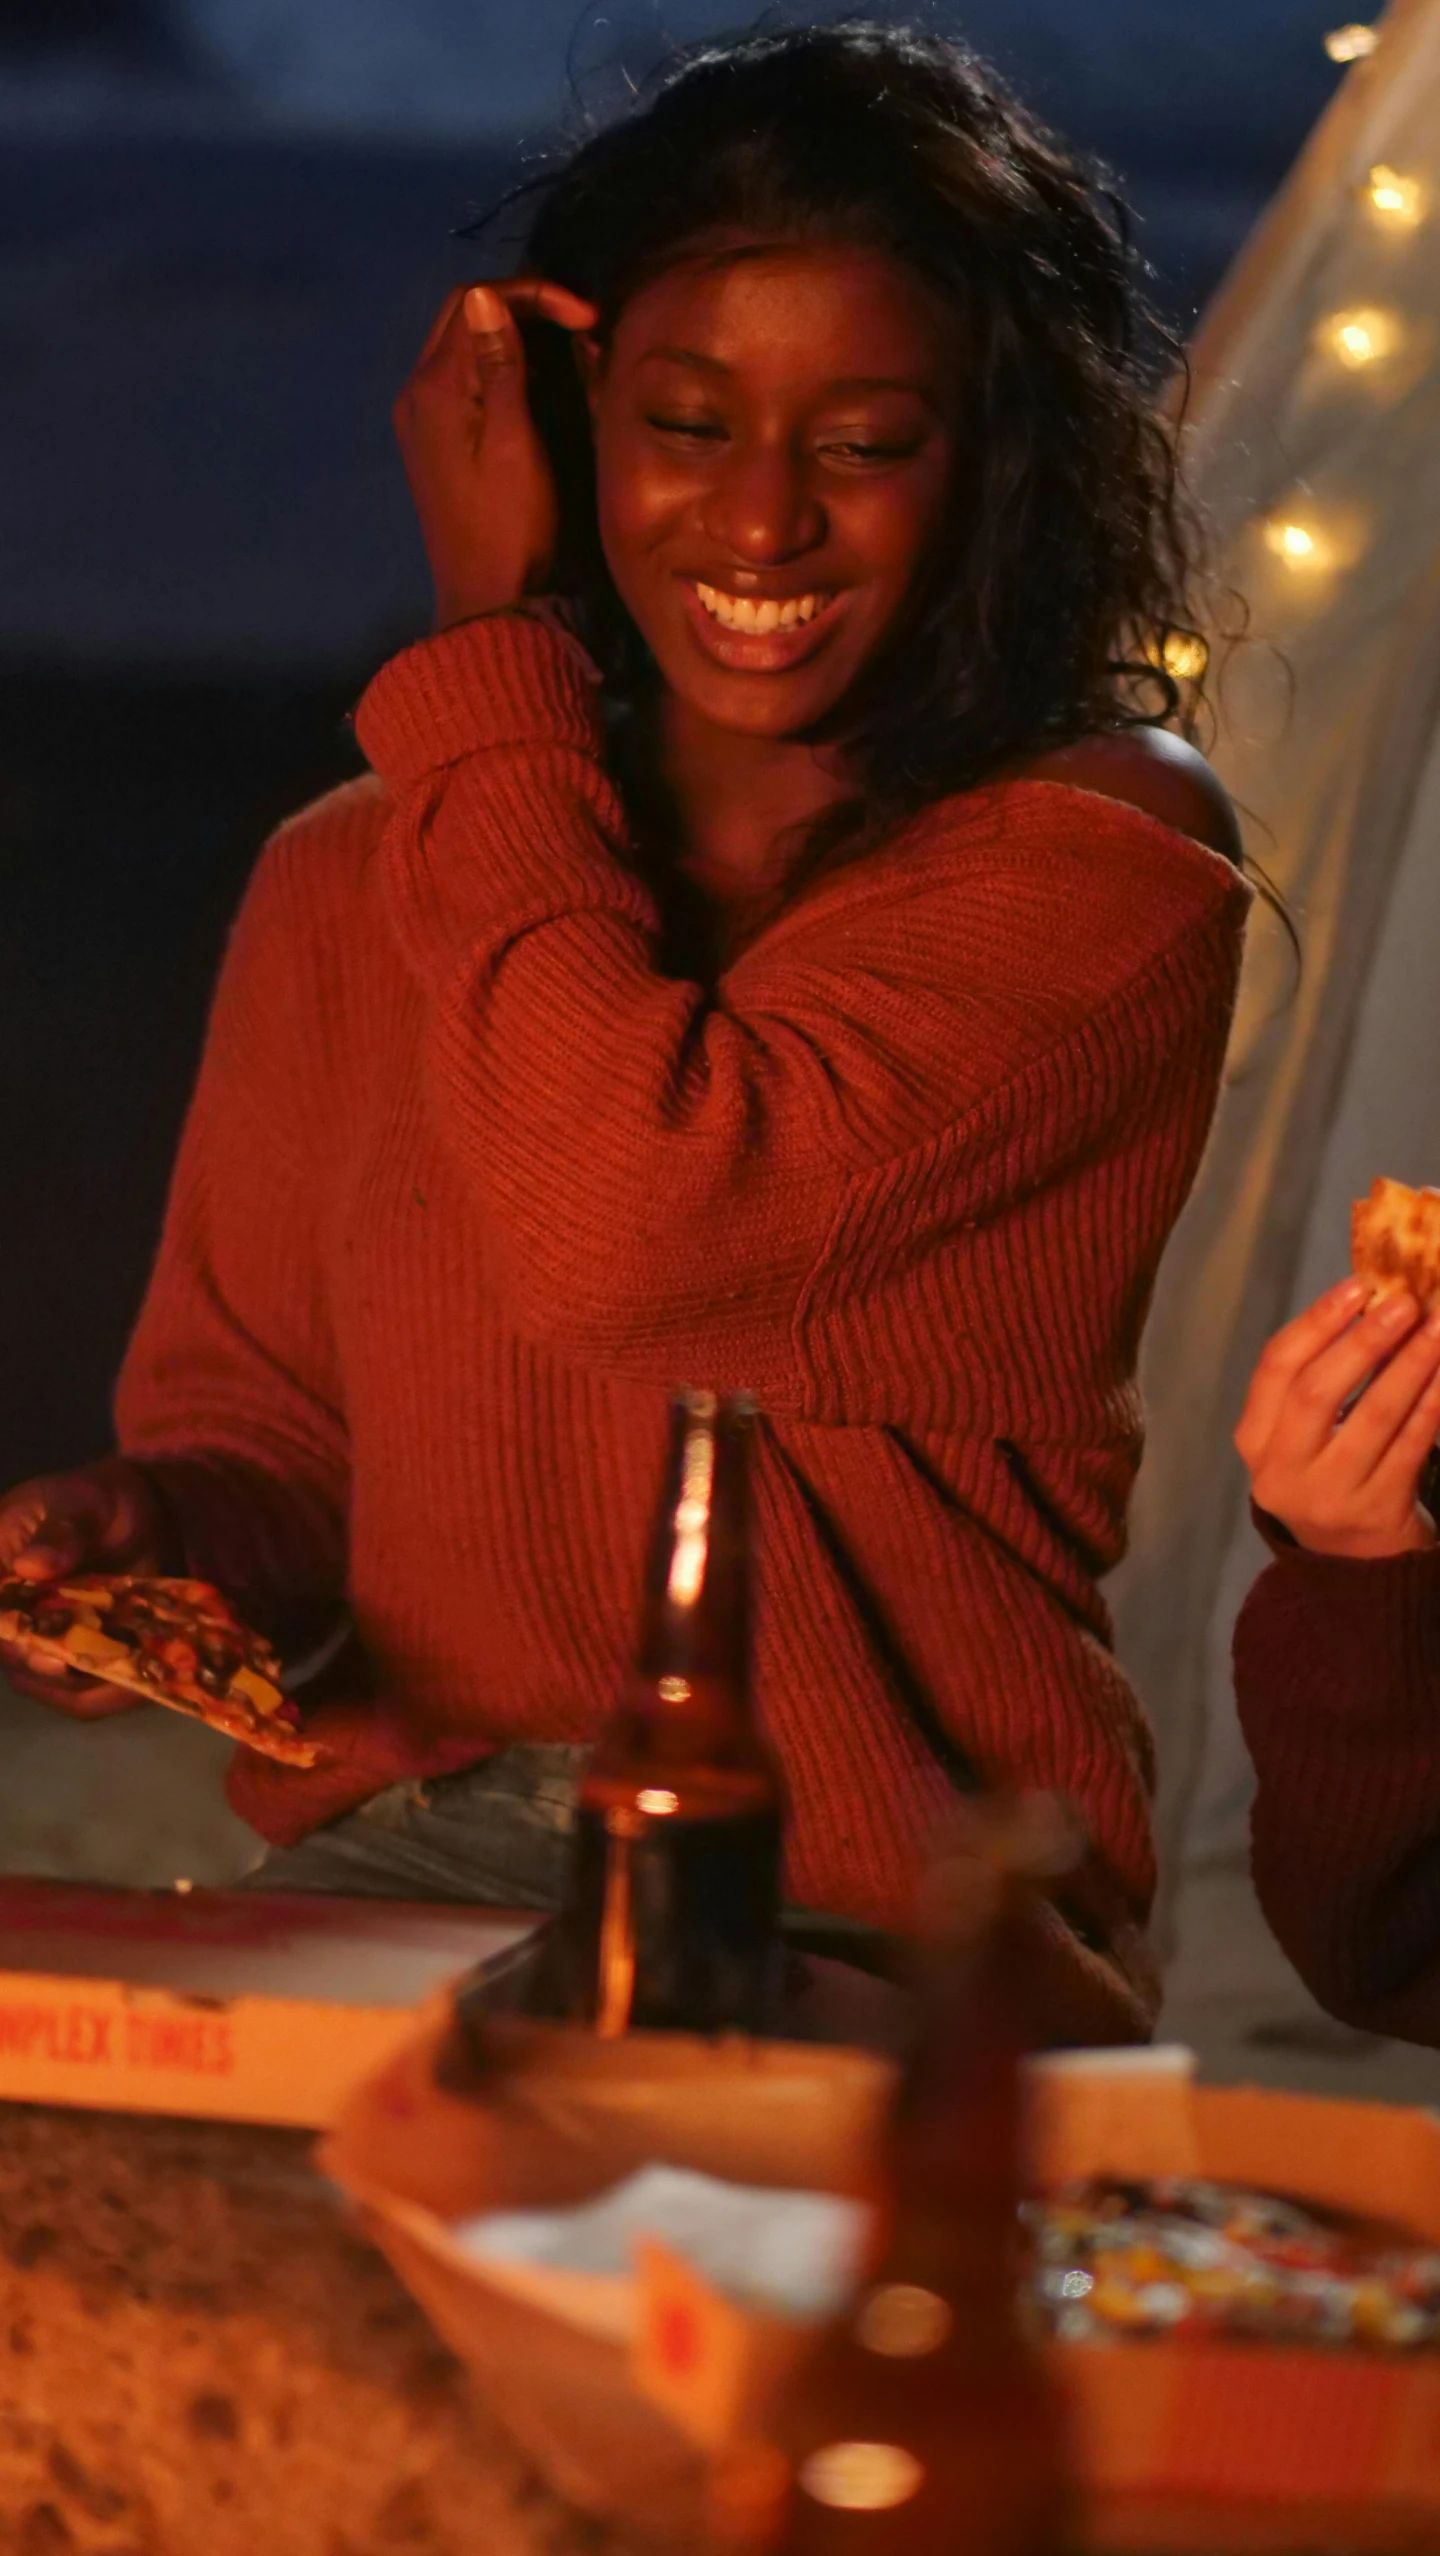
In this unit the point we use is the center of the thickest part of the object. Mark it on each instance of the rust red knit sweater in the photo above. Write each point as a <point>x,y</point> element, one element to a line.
<point>469,1185</point>
<point>1337,1673</point>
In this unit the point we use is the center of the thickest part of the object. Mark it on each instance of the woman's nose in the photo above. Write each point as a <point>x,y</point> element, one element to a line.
<point>761,508</point>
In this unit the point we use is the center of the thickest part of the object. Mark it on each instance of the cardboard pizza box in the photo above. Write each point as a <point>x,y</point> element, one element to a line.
<point>1331,2431</point>
<point>1254,2443</point>
<point>1176,2445</point>
<point>229,2005</point>
<point>559,2117</point>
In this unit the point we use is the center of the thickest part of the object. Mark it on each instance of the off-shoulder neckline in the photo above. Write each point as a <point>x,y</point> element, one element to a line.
<point>1105,799</point>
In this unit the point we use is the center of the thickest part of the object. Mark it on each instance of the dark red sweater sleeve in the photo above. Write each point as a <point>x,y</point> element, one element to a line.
<point>663,1172</point>
<point>1337,1674</point>
<point>231,1393</point>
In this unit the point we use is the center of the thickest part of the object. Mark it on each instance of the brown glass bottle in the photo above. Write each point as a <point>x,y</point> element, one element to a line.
<point>925,2425</point>
<point>671,1920</point>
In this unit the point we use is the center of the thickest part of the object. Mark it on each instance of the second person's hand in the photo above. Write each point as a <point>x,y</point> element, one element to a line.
<point>1341,1417</point>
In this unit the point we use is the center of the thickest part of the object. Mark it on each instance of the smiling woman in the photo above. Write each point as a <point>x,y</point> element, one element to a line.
<point>781,948</point>
<point>775,433</point>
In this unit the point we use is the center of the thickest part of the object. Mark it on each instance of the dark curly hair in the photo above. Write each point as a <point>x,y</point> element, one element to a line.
<point>1058,594</point>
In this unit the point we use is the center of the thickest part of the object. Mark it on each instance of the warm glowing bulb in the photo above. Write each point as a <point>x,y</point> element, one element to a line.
<point>1362,337</point>
<point>1181,653</point>
<point>1294,543</point>
<point>657,1803</point>
<point>1185,656</point>
<point>1396,199</point>
<point>1356,343</point>
<point>1354,43</point>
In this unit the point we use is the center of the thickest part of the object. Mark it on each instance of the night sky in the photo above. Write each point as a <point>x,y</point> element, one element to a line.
<point>224,225</point>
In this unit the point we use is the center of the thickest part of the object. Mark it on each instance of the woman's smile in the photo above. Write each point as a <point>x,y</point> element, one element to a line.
<point>761,633</point>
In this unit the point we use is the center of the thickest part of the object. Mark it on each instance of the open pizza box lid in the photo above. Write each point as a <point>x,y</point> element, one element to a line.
<point>621,2390</point>
<point>564,2117</point>
<point>231,2005</point>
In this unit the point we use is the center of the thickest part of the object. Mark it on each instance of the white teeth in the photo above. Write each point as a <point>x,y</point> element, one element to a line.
<point>743,612</point>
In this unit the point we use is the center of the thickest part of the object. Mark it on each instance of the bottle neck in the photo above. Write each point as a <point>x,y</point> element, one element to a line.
<point>956,2138</point>
<point>695,1617</point>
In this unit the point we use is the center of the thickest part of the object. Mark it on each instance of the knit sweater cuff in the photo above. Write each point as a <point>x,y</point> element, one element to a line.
<point>1355,1640</point>
<point>284,1804</point>
<point>510,678</point>
<point>489,739</point>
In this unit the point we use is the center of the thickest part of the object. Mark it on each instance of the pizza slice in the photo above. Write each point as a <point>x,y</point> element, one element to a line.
<point>1395,1241</point>
<point>176,1642</point>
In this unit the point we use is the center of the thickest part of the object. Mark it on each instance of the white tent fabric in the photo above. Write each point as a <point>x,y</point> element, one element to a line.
<point>1388,1114</point>
<point>1314,448</point>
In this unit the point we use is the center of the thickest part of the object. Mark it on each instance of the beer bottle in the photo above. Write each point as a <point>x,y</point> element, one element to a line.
<point>671,1919</point>
<point>925,2424</point>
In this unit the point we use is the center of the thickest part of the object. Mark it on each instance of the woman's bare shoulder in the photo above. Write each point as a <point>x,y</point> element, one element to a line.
<point>1150,769</point>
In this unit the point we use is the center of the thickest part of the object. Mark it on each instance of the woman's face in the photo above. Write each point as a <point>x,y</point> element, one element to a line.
<point>775,439</point>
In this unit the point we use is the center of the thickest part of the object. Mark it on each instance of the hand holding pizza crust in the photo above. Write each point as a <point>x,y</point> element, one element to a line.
<point>1343,1411</point>
<point>101,1517</point>
<point>95,1640</point>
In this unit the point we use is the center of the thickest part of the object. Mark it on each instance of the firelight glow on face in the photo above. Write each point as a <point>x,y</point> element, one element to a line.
<point>774,434</point>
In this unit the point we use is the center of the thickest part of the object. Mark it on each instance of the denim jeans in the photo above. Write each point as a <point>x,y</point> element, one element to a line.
<point>496,1834</point>
<point>499,1835</point>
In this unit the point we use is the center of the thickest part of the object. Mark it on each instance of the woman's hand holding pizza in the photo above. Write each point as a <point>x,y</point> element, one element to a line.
<point>478,470</point>
<point>1341,1418</point>
<point>102,1517</point>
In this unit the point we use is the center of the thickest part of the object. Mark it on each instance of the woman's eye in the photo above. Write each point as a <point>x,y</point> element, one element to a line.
<point>695,429</point>
<point>852,451</point>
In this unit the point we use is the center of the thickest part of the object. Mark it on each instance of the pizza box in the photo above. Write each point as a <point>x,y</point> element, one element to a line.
<point>228,2005</point>
<point>1342,2446</point>
<point>608,2384</point>
<point>554,2117</point>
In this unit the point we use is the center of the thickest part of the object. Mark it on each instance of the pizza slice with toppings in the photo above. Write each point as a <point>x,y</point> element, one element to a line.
<point>176,1642</point>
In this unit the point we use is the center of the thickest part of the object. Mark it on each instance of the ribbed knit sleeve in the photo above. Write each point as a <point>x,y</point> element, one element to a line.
<point>230,1391</point>
<point>1337,1673</point>
<point>661,1173</point>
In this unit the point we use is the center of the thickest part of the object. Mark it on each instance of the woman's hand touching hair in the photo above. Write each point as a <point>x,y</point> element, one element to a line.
<point>102,1517</point>
<point>1340,1421</point>
<point>478,470</point>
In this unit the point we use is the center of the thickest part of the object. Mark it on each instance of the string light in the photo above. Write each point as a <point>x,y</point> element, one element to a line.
<point>1312,544</point>
<point>1185,656</point>
<point>1181,653</point>
<point>1362,337</point>
<point>1354,43</point>
<point>1298,544</point>
<point>1394,199</point>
